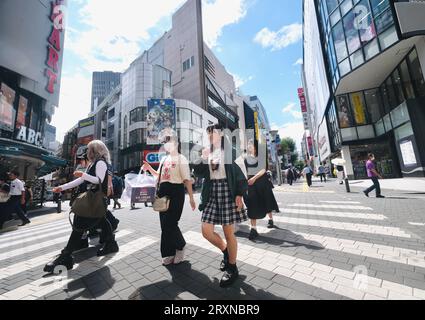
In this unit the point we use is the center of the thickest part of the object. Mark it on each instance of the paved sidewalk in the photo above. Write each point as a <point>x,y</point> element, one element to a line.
<point>405,184</point>
<point>328,245</point>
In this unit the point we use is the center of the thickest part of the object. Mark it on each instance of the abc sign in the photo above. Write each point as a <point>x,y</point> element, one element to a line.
<point>154,157</point>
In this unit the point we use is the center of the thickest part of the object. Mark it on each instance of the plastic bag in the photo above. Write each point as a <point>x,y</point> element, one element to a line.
<point>137,181</point>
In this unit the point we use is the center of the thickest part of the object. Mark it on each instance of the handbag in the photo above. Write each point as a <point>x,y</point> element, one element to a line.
<point>90,204</point>
<point>161,204</point>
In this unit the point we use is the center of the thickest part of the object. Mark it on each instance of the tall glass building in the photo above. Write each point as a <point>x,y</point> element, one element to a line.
<point>374,60</point>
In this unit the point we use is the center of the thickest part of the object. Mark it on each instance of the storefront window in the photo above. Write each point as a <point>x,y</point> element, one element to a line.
<point>398,87</point>
<point>417,76</point>
<point>384,20</point>
<point>373,103</point>
<point>351,32</point>
<point>407,83</point>
<point>359,110</point>
<point>339,40</point>
<point>344,114</point>
<point>364,21</point>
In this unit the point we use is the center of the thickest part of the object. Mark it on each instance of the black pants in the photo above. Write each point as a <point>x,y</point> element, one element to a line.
<point>376,185</point>
<point>84,224</point>
<point>322,177</point>
<point>17,208</point>
<point>116,203</point>
<point>290,181</point>
<point>309,176</point>
<point>171,237</point>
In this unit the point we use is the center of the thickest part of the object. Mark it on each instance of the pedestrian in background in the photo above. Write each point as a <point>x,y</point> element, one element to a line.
<point>340,174</point>
<point>260,199</point>
<point>308,174</point>
<point>117,185</point>
<point>374,175</point>
<point>290,176</point>
<point>17,197</point>
<point>322,173</point>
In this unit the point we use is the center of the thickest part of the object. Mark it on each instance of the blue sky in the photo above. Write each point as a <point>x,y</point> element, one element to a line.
<point>258,41</point>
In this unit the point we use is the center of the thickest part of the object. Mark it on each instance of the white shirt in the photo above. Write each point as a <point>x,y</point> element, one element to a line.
<point>217,157</point>
<point>175,169</point>
<point>16,187</point>
<point>101,169</point>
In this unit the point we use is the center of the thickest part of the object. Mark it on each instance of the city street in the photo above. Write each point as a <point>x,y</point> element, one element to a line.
<point>328,245</point>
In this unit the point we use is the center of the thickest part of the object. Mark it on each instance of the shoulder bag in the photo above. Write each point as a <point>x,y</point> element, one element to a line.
<point>160,204</point>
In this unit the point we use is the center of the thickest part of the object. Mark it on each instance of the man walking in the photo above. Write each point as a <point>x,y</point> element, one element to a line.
<point>17,197</point>
<point>374,176</point>
<point>322,173</point>
<point>308,174</point>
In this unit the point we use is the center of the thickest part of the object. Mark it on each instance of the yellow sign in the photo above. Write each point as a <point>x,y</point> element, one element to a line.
<point>358,107</point>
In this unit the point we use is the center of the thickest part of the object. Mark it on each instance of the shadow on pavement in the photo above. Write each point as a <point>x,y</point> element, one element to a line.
<point>280,237</point>
<point>196,285</point>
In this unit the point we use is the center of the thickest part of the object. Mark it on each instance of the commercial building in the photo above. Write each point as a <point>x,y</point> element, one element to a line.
<point>30,71</point>
<point>374,59</point>
<point>102,85</point>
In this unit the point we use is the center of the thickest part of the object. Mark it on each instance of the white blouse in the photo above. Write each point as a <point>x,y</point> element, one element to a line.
<point>101,169</point>
<point>217,157</point>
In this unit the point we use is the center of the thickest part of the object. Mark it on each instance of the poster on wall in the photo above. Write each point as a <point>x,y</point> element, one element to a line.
<point>358,108</point>
<point>22,112</point>
<point>7,98</point>
<point>161,116</point>
<point>408,153</point>
<point>345,119</point>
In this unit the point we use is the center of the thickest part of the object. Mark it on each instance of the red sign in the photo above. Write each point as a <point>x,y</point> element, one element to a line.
<point>54,46</point>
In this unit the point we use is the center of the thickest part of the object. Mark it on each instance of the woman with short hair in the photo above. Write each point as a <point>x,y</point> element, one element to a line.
<point>99,158</point>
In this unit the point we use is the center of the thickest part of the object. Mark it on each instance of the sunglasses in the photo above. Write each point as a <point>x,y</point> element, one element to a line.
<point>166,140</point>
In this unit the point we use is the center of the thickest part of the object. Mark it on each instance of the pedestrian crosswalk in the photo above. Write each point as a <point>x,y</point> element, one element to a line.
<point>296,262</point>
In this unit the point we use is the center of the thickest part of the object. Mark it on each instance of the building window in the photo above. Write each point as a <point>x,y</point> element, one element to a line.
<point>196,119</point>
<point>111,113</point>
<point>189,63</point>
<point>339,40</point>
<point>373,103</point>
<point>344,114</point>
<point>137,136</point>
<point>111,132</point>
<point>184,115</point>
<point>417,75</point>
<point>406,80</point>
<point>138,115</point>
<point>351,32</point>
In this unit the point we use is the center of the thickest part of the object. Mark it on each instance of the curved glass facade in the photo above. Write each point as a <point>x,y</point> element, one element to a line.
<point>354,32</point>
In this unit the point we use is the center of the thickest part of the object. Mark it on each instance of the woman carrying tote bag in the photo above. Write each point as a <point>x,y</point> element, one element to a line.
<point>99,158</point>
<point>173,175</point>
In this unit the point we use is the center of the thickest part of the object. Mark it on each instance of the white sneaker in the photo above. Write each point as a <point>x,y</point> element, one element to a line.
<point>179,258</point>
<point>167,261</point>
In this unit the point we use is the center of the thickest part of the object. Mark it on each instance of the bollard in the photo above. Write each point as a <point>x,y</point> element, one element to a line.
<point>347,185</point>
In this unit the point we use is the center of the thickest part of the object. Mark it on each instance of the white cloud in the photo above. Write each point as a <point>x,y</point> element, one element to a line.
<point>239,81</point>
<point>290,109</point>
<point>299,62</point>
<point>277,40</point>
<point>294,130</point>
<point>74,103</point>
<point>219,14</point>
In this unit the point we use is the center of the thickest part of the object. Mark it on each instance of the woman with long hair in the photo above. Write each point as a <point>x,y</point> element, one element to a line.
<point>99,158</point>
<point>260,199</point>
<point>221,196</point>
<point>174,175</point>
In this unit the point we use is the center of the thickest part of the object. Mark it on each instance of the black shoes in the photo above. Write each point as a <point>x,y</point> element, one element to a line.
<point>271,224</point>
<point>230,275</point>
<point>366,194</point>
<point>24,223</point>
<point>108,248</point>
<point>64,259</point>
<point>380,197</point>
<point>253,234</point>
<point>84,244</point>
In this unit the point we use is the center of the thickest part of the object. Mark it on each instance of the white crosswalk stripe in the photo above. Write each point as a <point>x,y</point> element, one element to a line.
<point>19,236</point>
<point>27,228</point>
<point>354,215</point>
<point>23,241</point>
<point>338,281</point>
<point>42,287</point>
<point>330,206</point>
<point>340,202</point>
<point>364,228</point>
<point>41,260</point>
<point>364,249</point>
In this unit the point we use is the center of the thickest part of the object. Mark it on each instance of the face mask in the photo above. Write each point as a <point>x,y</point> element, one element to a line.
<point>169,147</point>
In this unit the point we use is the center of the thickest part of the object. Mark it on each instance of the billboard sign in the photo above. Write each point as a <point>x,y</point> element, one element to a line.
<point>153,157</point>
<point>304,109</point>
<point>161,116</point>
<point>7,98</point>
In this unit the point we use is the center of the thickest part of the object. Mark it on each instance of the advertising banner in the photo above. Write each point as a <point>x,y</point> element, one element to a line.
<point>7,98</point>
<point>161,116</point>
<point>22,112</point>
<point>153,157</point>
<point>358,108</point>
<point>85,131</point>
<point>304,109</point>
